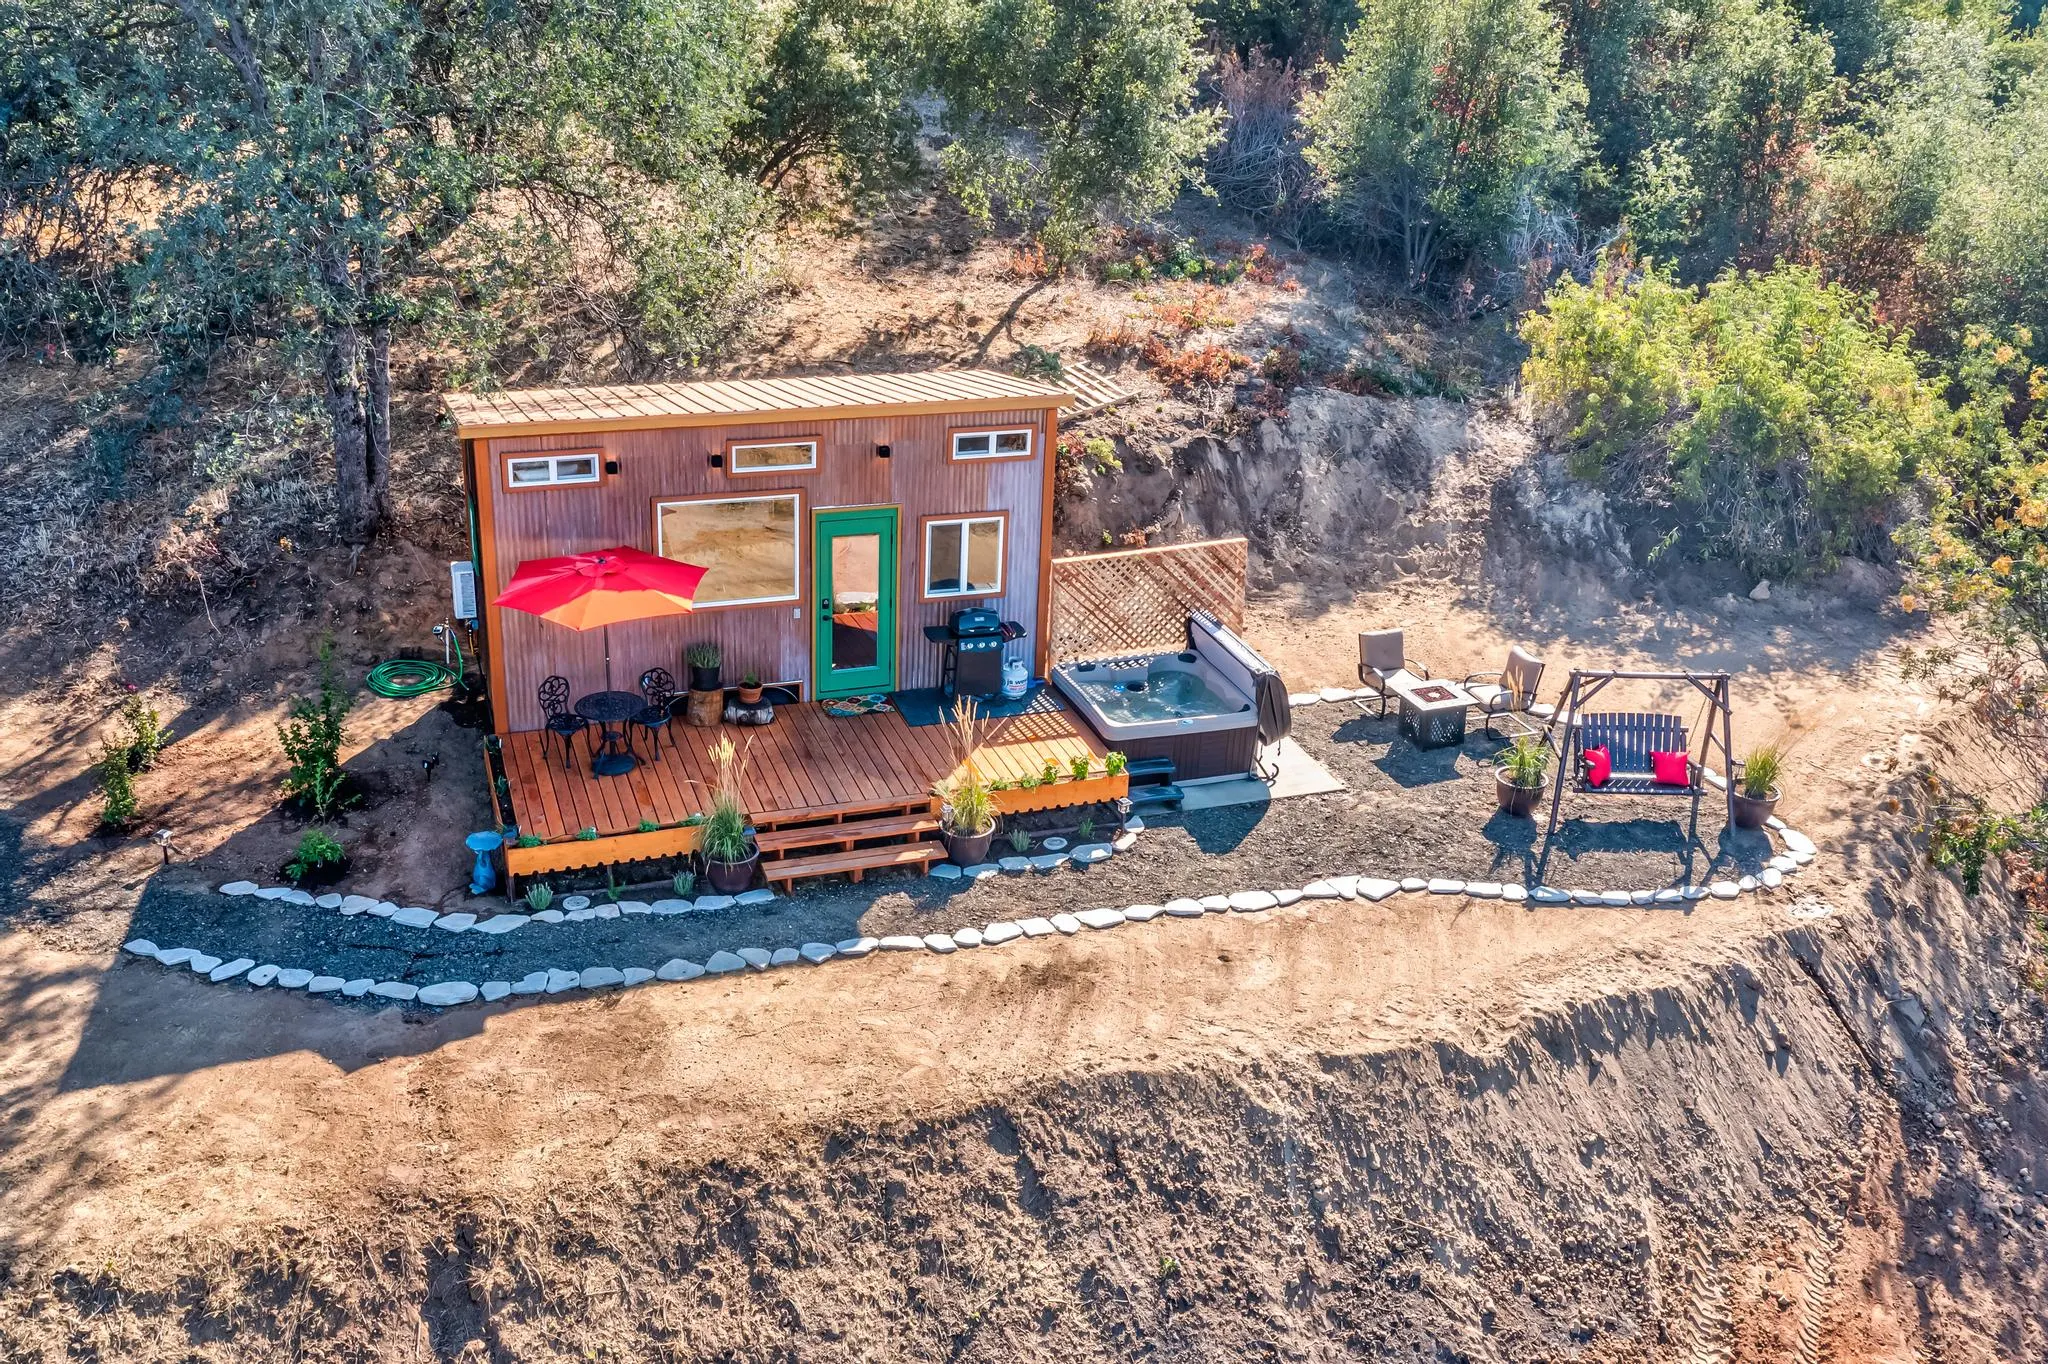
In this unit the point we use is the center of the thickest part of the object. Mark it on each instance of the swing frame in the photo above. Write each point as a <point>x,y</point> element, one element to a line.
<point>1587,683</point>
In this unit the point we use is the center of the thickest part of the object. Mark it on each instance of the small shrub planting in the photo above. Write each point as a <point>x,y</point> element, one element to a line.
<point>146,735</point>
<point>539,896</point>
<point>317,848</point>
<point>117,787</point>
<point>312,736</point>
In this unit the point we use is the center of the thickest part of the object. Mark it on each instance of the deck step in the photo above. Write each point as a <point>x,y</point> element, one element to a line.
<point>852,864</point>
<point>1145,771</point>
<point>774,842</point>
<point>1166,795</point>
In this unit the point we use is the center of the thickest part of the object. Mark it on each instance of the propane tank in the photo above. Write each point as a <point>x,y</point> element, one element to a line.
<point>1016,677</point>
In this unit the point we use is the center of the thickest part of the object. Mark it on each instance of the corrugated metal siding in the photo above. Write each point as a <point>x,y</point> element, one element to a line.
<point>776,640</point>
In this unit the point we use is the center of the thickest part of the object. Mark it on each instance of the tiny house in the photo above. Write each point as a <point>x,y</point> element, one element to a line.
<point>844,522</point>
<point>837,516</point>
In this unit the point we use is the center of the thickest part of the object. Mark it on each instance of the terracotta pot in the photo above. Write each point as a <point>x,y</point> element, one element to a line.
<point>1752,811</point>
<point>749,696</point>
<point>1515,800</point>
<point>968,850</point>
<point>730,878</point>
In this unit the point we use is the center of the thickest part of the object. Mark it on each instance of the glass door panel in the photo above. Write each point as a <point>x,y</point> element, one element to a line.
<point>855,563</point>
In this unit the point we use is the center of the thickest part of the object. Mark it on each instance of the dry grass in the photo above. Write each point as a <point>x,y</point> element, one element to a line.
<point>186,515</point>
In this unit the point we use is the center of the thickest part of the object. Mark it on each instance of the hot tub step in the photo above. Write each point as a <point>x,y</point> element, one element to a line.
<point>1164,797</point>
<point>1147,771</point>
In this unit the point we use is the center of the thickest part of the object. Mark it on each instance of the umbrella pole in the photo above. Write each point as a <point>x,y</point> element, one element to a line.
<point>607,658</point>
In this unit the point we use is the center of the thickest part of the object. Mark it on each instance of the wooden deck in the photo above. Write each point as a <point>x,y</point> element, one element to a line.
<point>806,767</point>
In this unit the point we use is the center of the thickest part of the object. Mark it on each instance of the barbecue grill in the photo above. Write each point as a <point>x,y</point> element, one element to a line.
<point>974,641</point>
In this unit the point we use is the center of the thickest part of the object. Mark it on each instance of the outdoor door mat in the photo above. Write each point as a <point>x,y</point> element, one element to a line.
<point>928,706</point>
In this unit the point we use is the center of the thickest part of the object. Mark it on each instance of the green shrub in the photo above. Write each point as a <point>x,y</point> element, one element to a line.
<point>586,834</point>
<point>528,841</point>
<point>1085,830</point>
<point>1020,841</point>
<point>705,654</point>
<point>1079,767</point>
<point>1049,774</point>
<point>146,734</point>
<point>683,883</point>
<point>1115,763</point>
<point>316,849</point>
<point>117,787</point>
<point>539,896</point>
<point>1101,452</point>
<point>1773,413</point>
<point>648,826</point>
<point>312,736</point>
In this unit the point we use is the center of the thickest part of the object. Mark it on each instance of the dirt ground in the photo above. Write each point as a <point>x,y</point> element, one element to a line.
<point>1804,1126</point>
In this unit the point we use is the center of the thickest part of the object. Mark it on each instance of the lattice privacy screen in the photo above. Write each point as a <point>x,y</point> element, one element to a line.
<point>1133,599</point>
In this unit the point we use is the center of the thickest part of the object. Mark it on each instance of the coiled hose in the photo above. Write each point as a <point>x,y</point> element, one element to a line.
<point>402,678</point>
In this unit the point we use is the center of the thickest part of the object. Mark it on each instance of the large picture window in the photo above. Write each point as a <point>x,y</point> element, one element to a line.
<point>747,546</point>
<point>963,556</point>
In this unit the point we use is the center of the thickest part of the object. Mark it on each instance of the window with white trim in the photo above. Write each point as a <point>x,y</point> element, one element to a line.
<point>772,456</point>
<point>992,444</point>
<point>746,545</point>
<point>551,471</point>
<point>963,557</point>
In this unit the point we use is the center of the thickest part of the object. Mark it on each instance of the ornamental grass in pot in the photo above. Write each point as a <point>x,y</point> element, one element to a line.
<point>1519,776</point>
<point>967,818</point>
<point>704,660</point>
<point>726,837</point>
<point>1756,790</point>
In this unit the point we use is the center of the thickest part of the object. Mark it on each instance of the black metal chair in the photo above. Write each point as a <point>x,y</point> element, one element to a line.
<point>660,690</point>
<point>563,723</point>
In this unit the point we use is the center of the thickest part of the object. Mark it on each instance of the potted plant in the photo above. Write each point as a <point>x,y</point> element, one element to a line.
<point>1518,778</point>
<point>1756,790</point>
<point>750,689</point>
<point>726,842</point>
<point>703,660</point>
<point>967,819</point>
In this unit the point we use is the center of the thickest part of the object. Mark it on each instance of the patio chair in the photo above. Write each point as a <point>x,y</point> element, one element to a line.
<point>1382,660</point>
<point>660,690</point>
<point>1629,739</point>
<point>563,723</point>
<point>1511,691</point>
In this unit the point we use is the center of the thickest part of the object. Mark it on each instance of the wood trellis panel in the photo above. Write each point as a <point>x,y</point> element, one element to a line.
<point>1133,599</point>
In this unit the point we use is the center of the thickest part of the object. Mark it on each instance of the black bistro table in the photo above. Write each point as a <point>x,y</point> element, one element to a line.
<point>609,711</point>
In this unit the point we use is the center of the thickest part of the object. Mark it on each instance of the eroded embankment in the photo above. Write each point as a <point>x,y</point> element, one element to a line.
<point>1739,1165</point>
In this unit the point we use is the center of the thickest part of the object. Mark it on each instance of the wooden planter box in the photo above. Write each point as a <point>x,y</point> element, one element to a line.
<point>571,854</point>
<point>1063,794</point>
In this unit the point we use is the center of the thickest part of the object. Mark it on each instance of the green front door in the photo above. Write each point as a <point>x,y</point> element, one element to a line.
<point>854,561</point>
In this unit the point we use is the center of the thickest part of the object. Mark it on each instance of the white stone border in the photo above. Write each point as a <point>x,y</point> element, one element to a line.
<point>1799,852</point>
<point>581,908</point>
<point>574,908</point>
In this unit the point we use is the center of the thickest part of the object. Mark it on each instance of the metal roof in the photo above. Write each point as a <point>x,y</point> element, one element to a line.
<point>722,402</point>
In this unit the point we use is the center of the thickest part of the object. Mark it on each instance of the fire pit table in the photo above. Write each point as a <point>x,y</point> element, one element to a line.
<point>1432,713</point>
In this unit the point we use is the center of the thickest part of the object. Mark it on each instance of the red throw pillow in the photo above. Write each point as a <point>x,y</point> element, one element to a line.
<point>1599,767</point>
<point>1671,769</point>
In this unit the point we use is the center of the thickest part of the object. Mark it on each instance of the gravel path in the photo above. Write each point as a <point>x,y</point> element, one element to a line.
<point>1406,812</point>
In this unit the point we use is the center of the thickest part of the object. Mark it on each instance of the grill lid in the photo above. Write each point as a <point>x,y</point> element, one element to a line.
<point>976,621</point>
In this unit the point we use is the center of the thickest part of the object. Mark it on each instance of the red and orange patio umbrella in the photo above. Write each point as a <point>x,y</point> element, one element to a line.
<point>602,588</point>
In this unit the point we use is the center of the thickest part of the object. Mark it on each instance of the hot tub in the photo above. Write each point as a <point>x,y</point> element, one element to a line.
<point>1170,705</point>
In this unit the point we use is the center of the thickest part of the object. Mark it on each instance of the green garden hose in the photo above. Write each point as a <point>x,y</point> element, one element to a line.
<point>403,678</point>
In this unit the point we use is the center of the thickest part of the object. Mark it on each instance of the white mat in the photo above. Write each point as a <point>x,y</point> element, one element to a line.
<point>1300,775</point>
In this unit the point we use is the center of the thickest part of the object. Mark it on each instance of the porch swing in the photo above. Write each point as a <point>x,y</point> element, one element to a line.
<point>1629,738</point>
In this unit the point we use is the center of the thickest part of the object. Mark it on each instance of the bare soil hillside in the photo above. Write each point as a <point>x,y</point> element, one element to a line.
<point>1798,1127</point>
